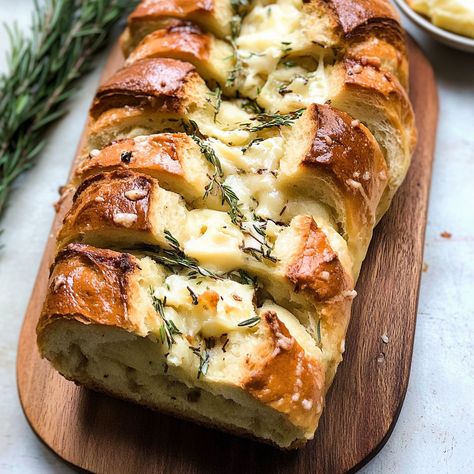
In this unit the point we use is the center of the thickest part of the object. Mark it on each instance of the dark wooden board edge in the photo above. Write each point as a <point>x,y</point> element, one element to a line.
<point>375,372</point>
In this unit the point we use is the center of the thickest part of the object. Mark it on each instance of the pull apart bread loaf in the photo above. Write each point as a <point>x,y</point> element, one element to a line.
<point>233,173</point>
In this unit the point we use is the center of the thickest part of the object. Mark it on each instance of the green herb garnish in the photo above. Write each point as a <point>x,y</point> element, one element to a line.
<point>167,329</point>
<point>203,360</point>
<point>42,69</point>
<point>194,298</point>
<point>273,120</point>
<point>250,322</point>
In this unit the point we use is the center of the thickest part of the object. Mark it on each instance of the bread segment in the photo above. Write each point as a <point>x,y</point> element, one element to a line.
<point>233,172</point>
<point>119,349</point>
<point>213,58</point>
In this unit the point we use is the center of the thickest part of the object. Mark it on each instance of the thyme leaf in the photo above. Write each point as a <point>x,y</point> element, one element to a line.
<point>218,103</point>
<point>194,297</point>
<point>273,120</point>
<point>250,322</point>
<point>216,185</point>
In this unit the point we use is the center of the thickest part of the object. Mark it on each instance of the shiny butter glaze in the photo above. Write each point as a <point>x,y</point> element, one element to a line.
<point>346,152</point>
<point>151,9</point>
<point>101,200</point>
<point>90,286</point>
<point>317,267</point>
<point>157,83</point>
<point>152,154</point>
<point>286,378</point>
<point>181,40</point>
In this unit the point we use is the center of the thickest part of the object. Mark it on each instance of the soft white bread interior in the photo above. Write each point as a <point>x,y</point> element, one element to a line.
<point>197,347</point>
<point>223,204</point>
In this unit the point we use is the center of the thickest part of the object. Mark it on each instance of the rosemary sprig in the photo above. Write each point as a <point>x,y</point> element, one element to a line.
<point>273,120</point>
<point>203,360</point>
<point>65,34</point>
<point>176,259</point>
<point>167,329</point>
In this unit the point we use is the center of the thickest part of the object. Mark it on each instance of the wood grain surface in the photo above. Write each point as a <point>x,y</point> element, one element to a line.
<point>105,435</point>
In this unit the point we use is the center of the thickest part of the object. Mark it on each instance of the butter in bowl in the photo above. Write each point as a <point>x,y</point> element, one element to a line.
<point>449,21</point>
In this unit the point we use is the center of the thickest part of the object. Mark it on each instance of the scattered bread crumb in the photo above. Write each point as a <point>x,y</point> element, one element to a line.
<point>425,267</point>
<point>385,338</point>
<point>446,235</point>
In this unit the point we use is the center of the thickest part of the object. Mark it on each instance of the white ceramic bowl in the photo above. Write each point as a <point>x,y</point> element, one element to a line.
<point>451,39</point>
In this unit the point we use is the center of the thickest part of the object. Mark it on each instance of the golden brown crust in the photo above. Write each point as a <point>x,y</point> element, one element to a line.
<point>151,9</point>
<point>180,40</point>
<point>316,266</point>
<point>90,286</point>
<point>150,15</point>
<point>373,80</point>
<point>286,378</point>
<point>356,17</point>
<point>116,200</point>
<point>154,155</point>
<point>344,151</point>
<point>157,83</point>
<point>381,55</point>
<point>367,30</point>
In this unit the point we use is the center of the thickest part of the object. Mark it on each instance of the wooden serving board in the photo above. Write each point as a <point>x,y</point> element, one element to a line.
<point>101,434</point>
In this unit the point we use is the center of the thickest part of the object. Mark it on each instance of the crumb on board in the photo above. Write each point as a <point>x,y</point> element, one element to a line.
<point>385,338</point>
<point>446,235</point>
<point>425,267</point>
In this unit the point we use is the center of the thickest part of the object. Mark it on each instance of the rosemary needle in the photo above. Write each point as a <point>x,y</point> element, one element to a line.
<point>65,34</point>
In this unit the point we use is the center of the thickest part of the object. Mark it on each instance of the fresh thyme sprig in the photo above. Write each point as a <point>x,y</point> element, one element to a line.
<point>167,329</point>
<point>251,106</point>
<point>265,249</point>
<point>193,131</point>
<point>218,103</point>
<point>235,72</point>
<point>65,34</point>
<point>216,185</point>
<point>272,120</point>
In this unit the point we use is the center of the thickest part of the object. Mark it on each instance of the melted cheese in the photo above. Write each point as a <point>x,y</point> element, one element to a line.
<point>269,33</point>
<point>217,307</point>
<point>213,240</point>
<point>289,89</point>
<point>225,126</point>
<point>259,194</point>
<point>261,155</point>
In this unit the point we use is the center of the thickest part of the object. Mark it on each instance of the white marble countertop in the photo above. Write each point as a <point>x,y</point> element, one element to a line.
<point>435,431</point>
